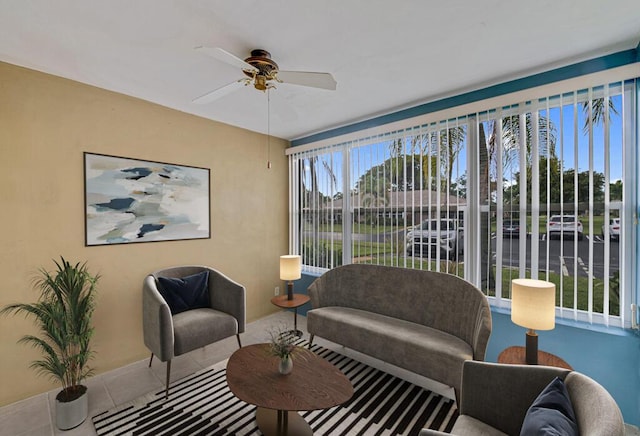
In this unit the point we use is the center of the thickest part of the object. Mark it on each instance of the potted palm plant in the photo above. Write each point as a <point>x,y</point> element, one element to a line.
<point>63,317</point>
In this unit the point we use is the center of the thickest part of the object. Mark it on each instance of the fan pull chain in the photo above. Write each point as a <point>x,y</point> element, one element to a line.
<point>268,128</point>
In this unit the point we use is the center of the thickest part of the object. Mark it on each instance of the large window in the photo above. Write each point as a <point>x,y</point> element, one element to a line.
<point>534,189</point>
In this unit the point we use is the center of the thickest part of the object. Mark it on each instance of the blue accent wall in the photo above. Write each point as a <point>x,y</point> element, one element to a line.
<point>611,356</point>
<point>301,288</point>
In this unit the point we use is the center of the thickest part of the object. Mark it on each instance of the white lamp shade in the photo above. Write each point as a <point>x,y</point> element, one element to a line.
<point>290,267</point>
<point>533,304</point>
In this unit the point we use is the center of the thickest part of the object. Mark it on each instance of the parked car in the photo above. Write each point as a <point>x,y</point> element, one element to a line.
<point>510,229</point>
<point>430,235</point>
<point>614,229</point>
<point>564,225</point>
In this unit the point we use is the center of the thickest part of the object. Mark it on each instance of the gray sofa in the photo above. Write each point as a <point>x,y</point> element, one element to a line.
<point>495,399</point>
<point>425,322</point>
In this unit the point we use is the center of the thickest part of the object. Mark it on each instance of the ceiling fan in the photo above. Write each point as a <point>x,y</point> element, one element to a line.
<point>262,72</point>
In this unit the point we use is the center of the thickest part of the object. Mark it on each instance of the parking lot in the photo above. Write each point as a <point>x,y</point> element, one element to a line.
<point>559,256</point>
<point>566,257</point>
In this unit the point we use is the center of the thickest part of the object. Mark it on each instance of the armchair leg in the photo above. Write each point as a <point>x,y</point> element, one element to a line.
<point>166,394</point>
<point>310,341</point>
<point>238,338</point>
<point>150,360</point>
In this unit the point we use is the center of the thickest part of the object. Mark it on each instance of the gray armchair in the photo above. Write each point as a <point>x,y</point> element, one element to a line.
<point>168,335</point>
<point>495,399</point>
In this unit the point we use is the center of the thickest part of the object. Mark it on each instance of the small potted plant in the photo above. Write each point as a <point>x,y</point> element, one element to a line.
<point>63,316</point>
<point>282,345</point>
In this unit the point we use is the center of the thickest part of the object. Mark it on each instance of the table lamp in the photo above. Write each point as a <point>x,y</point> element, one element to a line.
<point>533,306</point>
<point>290,269</point>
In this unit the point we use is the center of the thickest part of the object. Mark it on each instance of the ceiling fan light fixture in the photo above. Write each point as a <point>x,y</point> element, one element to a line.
<point>260,83</point>
<point>263,73</point>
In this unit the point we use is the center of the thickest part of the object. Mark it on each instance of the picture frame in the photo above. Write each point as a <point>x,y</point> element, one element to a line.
<point>131,200</point>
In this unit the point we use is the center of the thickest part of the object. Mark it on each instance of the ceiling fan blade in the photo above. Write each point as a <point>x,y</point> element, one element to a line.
<point>305,78</point>
<point>218,93</point>
<point>225,56</point>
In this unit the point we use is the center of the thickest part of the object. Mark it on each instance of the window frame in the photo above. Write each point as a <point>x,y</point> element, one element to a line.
<point>472,228</point>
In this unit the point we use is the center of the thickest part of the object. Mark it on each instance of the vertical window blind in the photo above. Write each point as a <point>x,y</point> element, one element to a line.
<point>535,189</point>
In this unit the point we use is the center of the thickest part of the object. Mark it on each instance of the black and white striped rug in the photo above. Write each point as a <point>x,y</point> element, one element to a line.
<point>202,404</point>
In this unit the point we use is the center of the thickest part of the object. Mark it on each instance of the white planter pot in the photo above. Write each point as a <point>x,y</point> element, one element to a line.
<point>72,413</point>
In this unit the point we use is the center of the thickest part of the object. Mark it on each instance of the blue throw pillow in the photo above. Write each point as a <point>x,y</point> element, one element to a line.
<point>185,293</point>
<point>551,413</point>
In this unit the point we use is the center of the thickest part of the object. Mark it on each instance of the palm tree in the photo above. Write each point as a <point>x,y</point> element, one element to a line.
<point>451,141</point>
<point>597,112</point>
<point>444,144</point>
<point>487,278</point>
<point>487,157</point>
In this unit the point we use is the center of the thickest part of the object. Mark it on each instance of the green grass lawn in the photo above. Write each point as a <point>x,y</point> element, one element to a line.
<point>568,285</point>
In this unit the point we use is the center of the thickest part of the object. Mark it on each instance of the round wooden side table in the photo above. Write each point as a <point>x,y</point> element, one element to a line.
<point>516,355</point>
<point>297,301</point>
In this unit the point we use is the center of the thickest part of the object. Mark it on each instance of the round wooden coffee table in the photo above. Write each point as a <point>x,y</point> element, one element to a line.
<point>314,383</point>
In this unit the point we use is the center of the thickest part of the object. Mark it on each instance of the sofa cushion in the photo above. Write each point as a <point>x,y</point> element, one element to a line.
<point>426,351</point>
<point>551,413</point>
<point>199,327</point>
<point>185,293</point>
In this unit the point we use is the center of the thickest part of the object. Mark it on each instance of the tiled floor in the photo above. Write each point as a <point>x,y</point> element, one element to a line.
<point>34,416</point>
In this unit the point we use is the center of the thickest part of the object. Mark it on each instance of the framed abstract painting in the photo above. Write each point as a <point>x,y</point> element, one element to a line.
<point>130,200</point>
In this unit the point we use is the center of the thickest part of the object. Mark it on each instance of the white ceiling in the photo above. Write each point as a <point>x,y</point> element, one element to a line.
<point>385,55</point>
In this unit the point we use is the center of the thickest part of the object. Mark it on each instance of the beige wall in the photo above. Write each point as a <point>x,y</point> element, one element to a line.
<point>46,123</point>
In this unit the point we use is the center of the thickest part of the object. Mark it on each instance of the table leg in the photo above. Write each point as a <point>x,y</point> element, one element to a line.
<point>296,332</point>
<point>284,429</point>
<point>281,422</point>
<point>281,427</point>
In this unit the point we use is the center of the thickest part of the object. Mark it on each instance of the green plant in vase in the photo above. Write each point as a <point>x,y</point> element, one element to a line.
<point>63,316</point>
<point>282,345</point>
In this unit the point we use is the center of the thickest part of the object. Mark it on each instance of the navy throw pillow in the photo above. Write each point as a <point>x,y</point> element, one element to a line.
<point>551,413</point>
<point>185,293</point>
